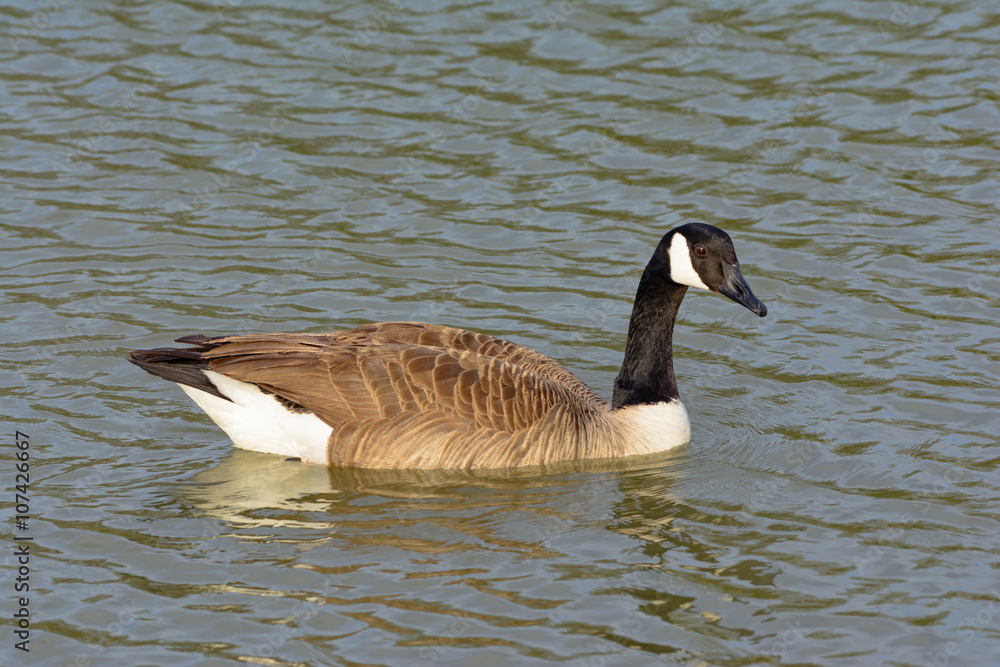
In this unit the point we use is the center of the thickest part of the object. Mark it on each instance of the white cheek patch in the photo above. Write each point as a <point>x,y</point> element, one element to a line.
<point>681,269</point>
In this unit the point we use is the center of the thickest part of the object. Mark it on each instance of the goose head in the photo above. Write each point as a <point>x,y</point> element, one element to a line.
<point>702,256</point>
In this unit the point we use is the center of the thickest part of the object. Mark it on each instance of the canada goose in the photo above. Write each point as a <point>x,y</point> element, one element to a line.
<point>413,395</point>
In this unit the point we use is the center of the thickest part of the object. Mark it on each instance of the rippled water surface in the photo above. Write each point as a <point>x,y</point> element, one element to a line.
<point>228,167</point>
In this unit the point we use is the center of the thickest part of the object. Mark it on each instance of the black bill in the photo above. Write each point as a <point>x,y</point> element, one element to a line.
<point>735,287</point>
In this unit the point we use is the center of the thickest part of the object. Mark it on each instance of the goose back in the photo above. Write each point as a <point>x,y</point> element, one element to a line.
<point>414,395</point>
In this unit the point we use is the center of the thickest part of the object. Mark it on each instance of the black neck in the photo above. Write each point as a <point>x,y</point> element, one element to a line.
<point>647,374</point>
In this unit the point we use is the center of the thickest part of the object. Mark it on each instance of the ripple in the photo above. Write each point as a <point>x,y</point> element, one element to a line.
<point>174,168</point>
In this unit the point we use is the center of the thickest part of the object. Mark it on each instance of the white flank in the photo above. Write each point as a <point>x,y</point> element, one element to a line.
<point>655,428</point>
<point>257,421</point>
<point>681,269</point>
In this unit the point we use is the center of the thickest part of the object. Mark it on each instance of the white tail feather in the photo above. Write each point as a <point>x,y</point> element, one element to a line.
<point>259,422</point>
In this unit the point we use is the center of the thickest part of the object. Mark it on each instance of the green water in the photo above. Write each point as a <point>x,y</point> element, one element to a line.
<point>173,168</point>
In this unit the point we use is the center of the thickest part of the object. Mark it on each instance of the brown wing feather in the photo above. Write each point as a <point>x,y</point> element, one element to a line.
<point>432,335</point>
<point>406,394</point>
<point>384,370</point>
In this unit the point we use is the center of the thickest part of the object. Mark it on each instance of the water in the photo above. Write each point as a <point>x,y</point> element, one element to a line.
<point>174,168</point>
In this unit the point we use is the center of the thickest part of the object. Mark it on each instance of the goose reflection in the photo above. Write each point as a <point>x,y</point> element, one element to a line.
<point>432,511</point>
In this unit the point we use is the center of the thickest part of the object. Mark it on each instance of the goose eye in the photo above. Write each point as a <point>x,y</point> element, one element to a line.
<point>700,250</point>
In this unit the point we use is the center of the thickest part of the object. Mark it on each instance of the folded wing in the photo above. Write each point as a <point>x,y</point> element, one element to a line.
<point>435,390</point>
